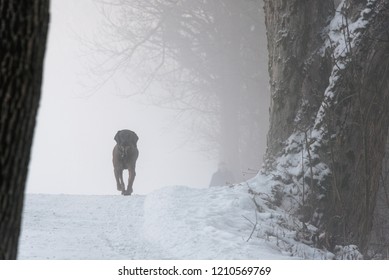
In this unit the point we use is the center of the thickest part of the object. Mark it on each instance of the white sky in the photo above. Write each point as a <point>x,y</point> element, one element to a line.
<point>72,151</point>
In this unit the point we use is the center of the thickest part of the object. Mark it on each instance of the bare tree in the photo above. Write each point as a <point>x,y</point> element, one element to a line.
<point>210,56</point>
<point>23,30</point>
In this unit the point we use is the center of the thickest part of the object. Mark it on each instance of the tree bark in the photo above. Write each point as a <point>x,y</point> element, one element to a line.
<point>329,87</point>
<point>379,237</point>
<point>23,29</point>
<point>362,138</point>
<point>296,67</point>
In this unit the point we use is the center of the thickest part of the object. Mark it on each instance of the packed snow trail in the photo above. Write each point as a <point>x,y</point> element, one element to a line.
<point>85,227</point>
<point>170,223</point>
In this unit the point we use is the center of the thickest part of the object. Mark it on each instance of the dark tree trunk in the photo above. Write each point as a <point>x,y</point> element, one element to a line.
<point>330,103</point>
<point>23,31</point>
<point>296,68</point>
<point>379,238</point>
<point>361,139</point>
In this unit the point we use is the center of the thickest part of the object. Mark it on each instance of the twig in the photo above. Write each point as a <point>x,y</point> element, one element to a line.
<point>255,225</point>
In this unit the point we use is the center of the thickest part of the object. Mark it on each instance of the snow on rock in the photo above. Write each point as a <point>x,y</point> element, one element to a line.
<point>349,252</point>
<point>298,167</point>
<point>290,177</point>
<point>342,36</point>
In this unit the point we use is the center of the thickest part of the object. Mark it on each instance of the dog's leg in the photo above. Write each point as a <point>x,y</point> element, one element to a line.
<point>131,178</point>
<point>128,191</point>
<point>119,179</point>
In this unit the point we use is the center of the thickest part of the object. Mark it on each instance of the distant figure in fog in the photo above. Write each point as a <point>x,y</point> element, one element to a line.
<point>222,177</point>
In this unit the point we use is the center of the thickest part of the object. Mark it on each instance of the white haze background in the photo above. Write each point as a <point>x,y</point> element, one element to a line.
<point>76,123</point>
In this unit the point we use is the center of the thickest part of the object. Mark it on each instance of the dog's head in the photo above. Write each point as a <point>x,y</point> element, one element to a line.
<point>126,137</point>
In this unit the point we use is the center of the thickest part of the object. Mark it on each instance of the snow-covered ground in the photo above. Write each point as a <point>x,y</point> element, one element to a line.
<point>171,223</point>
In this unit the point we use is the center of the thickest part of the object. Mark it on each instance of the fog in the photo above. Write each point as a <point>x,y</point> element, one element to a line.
<point>79,116</point>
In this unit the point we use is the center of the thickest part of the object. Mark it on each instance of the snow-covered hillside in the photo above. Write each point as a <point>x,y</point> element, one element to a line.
<point>171,223</point>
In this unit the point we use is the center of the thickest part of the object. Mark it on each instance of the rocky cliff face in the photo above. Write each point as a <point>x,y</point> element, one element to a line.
<point>296,64</point>
<point>379,237</point>
<point>329,109</point>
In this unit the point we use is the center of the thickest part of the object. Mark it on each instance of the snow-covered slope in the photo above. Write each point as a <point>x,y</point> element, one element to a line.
<point>205,224</point>
<point>171,223</point>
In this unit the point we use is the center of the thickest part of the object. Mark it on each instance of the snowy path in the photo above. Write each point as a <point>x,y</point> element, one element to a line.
<point>85,227</point>
<point>170,223</point>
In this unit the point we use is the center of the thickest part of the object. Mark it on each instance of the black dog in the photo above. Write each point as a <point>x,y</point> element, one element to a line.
<point>124,156</point>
